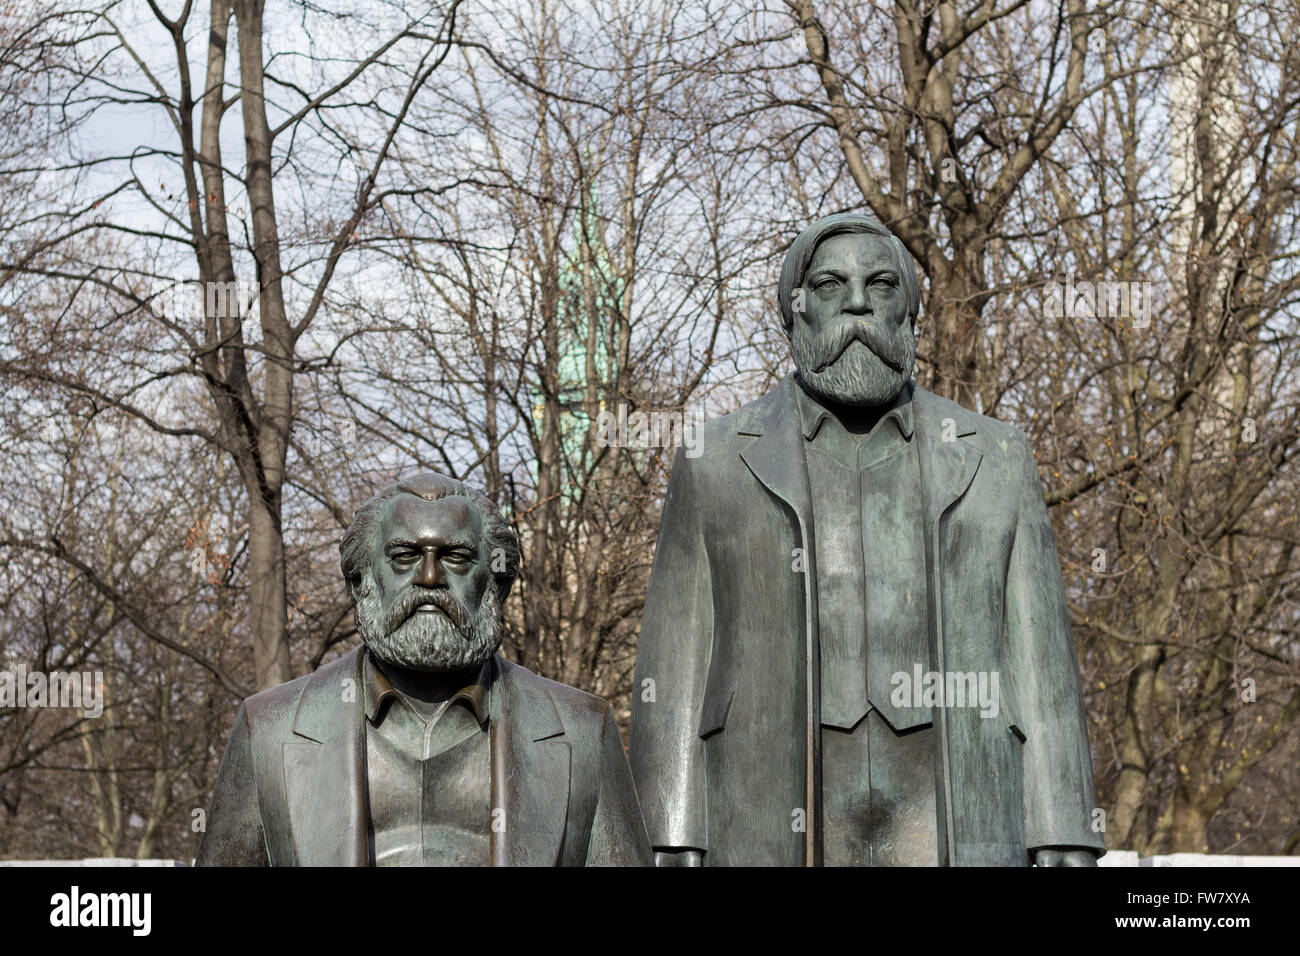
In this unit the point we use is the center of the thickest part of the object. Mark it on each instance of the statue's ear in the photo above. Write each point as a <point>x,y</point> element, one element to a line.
<point>790,306</point>
<point>505,577</point>
<point>504,584</point>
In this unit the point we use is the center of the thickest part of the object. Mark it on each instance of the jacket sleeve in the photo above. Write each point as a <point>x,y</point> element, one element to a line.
<point>667,754</point>
<point>1059,795</point>
<point>234,834</point>
<point>618,835</point>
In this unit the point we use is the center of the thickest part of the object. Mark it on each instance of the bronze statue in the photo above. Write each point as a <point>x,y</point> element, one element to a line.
<point>855,649</point>
<point>424,747</point>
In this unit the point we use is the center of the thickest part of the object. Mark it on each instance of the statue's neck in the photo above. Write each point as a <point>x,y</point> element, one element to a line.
<point>432,687</point>
<point>857,420</point>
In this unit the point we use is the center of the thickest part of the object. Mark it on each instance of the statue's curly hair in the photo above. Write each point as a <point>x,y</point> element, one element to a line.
<point>356,551</point>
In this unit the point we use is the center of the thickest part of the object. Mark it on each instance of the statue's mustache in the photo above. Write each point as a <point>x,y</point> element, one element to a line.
<point>417,597</point>
<point>830,344</point>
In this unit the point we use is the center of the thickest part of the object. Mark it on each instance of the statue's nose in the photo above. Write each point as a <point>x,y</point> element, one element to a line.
<point>856,301</point>
<point>430,574</point>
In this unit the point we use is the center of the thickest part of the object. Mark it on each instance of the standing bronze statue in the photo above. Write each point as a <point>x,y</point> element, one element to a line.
<point>424,747</point>
<point>855,648</point>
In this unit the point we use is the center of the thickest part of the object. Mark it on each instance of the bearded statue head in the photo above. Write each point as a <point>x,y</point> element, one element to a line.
<point>849,301</point>
<point>428,564</point>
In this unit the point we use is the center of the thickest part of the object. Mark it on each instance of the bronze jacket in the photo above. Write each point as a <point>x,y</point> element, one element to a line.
<point>291,790</point>
<point>725,703</point>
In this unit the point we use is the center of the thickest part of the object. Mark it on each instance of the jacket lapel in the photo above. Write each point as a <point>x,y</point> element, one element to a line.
<point>530,772</point>
<point>776,459</point>
<point>948,466</point>
<point>324,769</point>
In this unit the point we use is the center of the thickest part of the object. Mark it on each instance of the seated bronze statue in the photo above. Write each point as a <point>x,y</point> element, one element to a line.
<point>424,747</point>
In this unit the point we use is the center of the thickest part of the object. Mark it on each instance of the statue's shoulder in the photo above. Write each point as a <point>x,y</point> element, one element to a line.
<point>981,429</point>
<point>572,703</point>
<point>276,706</point>
<point>777,401</point>
<point>754,417</point>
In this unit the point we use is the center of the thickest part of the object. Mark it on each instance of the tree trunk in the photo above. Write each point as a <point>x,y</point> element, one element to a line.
<point>263,469</point>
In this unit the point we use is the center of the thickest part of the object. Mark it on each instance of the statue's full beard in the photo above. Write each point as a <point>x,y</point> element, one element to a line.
<point>854,362</point>
<point>448,641</point>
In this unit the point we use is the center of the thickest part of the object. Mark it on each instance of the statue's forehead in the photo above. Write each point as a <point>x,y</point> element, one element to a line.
<point>857,248</point>
<point>414,518</point>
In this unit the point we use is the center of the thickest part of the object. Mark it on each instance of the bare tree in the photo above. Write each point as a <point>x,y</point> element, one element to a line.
<point>584,269</point>
<point>249,379</point>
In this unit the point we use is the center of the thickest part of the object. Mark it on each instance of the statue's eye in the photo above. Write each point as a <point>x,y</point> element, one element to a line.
<point>403,557</point>
<point>458,558</point>
<point>886,281</point>
<point>827,285</point>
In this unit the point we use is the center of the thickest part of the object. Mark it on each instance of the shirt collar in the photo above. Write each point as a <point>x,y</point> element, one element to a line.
<point>379,690</point>
<point>812,412</point>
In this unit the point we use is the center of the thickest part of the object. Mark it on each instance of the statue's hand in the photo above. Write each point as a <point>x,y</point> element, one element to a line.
<point>678,856</point>
<point>1064,856</point>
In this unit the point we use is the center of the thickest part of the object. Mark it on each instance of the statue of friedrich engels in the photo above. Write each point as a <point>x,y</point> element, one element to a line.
<point>838,538</point>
